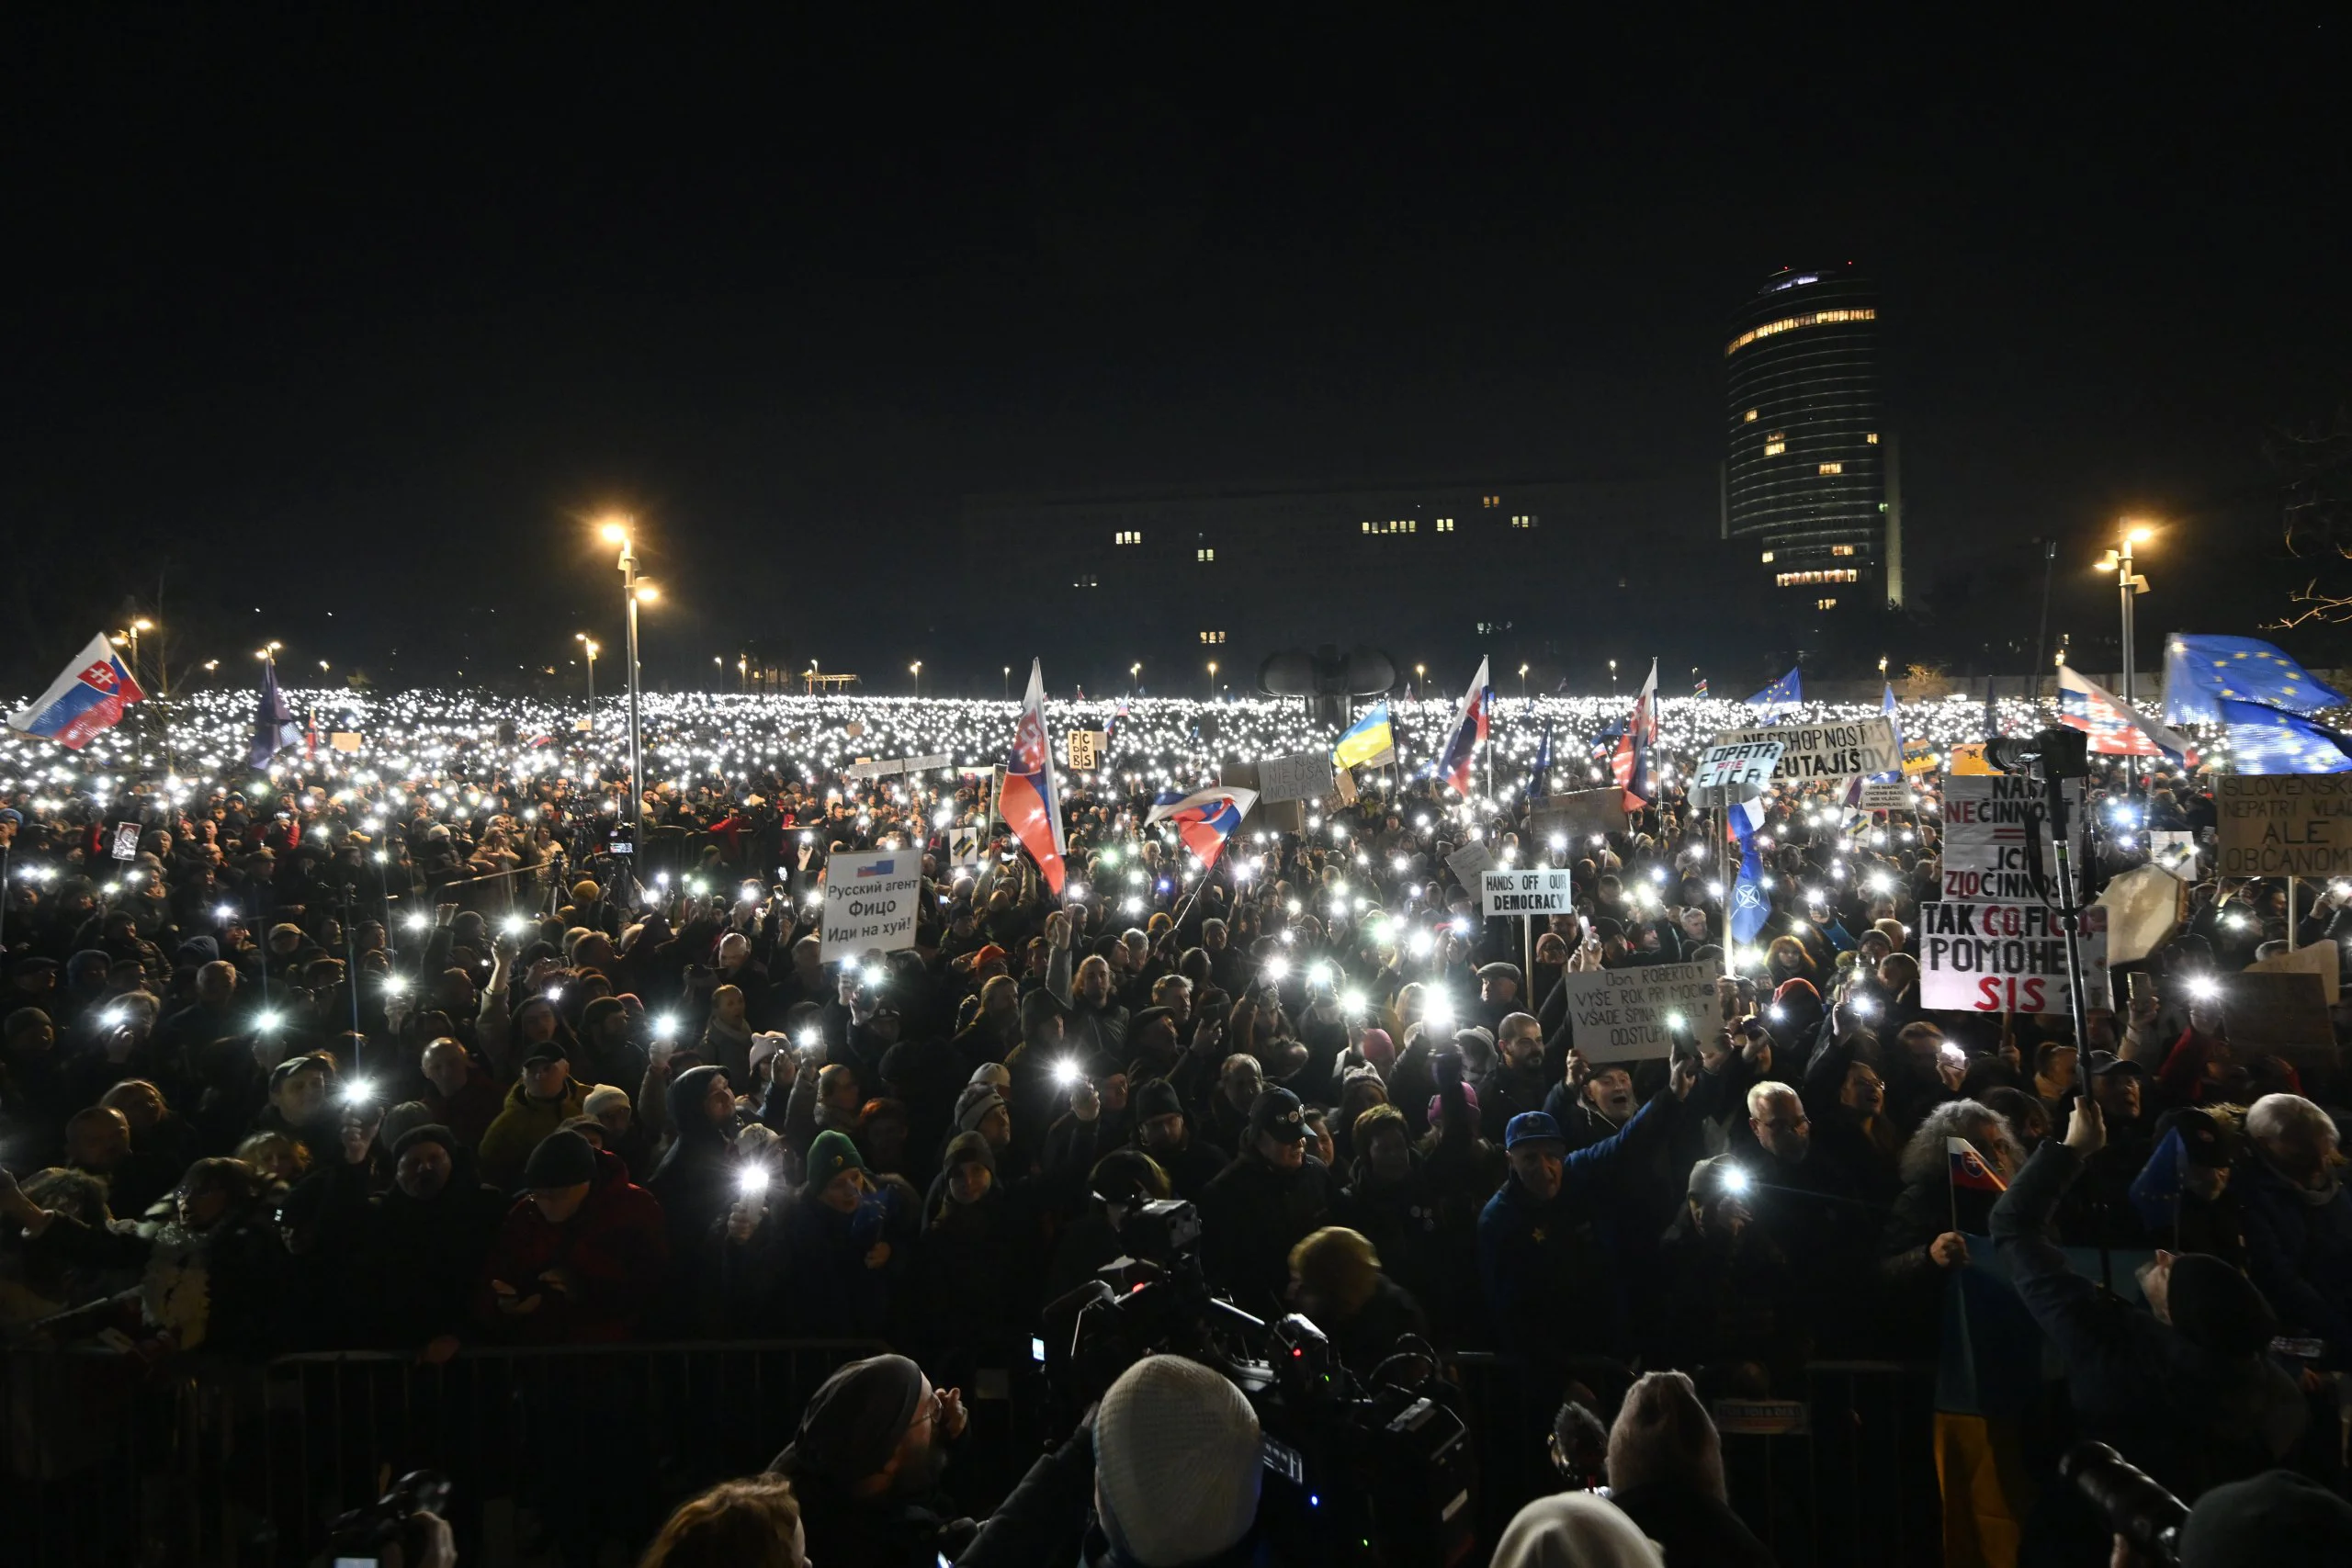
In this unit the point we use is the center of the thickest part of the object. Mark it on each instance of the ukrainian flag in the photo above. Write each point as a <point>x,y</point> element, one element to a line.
<point>1368,742</point>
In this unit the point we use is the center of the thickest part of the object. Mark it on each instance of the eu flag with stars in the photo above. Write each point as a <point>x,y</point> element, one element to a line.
<point>2202,673</point>
<point>2265,740</point>
<point>1788,692</point>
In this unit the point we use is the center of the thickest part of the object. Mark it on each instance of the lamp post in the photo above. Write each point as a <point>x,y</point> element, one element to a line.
<point>1420,677</point>
<point>589,645</point>
<point>615,532</point>
<point>1134,674</point>
<point>140,625</point>
<point>1008,682</point>
<point>1522,683</point>
<point>2128,587</point>
<point>915,670</point>
<point>742,672</point>
<point>1212,680</point>
<point>1612,675</point>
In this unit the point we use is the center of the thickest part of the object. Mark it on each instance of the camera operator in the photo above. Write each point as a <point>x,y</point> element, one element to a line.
<point>2183,1387</point>
<point>1165,1475</point>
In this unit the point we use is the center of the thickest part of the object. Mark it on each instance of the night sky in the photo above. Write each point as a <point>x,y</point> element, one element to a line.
<point>312,315</point>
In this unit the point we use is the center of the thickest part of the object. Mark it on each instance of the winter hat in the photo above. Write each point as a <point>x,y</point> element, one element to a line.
<point>1574,1530</point>
<point>1156,1098</point>
<point>400,1120</point>
<point>604,1098</point>
<point>831,1153</point>
<point>562,1159</point>
<point>1663,1436</point>
<point>2279,1520</point>
<point>852,1424</point>
<point>1437,1103</point>
<point>1378,1048</point>
<point>973,1106</point>
<point>2217,1308</point>
<point>598,1009</point>
<point>1277,1114</point>
<point>995,1075</point>
<point>1176,1460</point>
<point>969,1148</point>
<point>431,1133</point>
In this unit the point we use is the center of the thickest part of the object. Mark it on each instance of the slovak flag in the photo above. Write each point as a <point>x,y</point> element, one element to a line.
<point>1028,802</point>
<point>2115,730</point>
<point>82,703</point>
<point>1632,761</point>
<point>1469,732</point>
<point>1205,819</point>
<point>1969,1170</point>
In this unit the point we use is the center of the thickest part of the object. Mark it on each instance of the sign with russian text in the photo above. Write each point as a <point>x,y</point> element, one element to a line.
<point>1810,751</point>
<point>1624,1015</point>
<point>2284,824</point>
<point>1540,890</point>
<point>870,900</point>
<point>1730,767</point>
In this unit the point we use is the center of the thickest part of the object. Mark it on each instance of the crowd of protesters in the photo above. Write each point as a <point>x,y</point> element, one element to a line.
<point>408,1060</point>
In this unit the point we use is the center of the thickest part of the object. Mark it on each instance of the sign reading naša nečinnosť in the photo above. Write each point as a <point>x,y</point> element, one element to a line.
<point>1823,750</point>
<point>2284,824</point>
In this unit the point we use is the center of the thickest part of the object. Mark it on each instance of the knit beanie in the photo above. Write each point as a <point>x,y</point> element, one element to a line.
<point>973,1105</point>
<point>1176,1459</point>
<point>1663,1436</point>
<point>598,1009</point>
<point>969,1148</point>
<point>604,1098</point>
<point>431,1133</point>
<point>852,1423</point>
<point>2218,1309</point>
<point>2276,1520</point>
<point>1156,1098</point>
<point>831,1153</point>
<point>562,1159</point>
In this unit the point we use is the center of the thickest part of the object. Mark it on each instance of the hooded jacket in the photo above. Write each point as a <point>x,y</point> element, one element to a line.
<point>519,1126</point>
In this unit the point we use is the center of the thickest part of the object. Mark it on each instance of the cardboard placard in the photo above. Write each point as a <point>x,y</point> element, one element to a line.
<point>2005,957</point>
<point>1085,749</point>
<point>1302,775</point>
<point>2145,907</point>
<point>1810,751</point>
<point>1469,862</point>
<point>2277,1012</point>
<point>2323,959</point>
<point>1539,890</point>
<point>126,841</point>
<point>1621,1015</point>
<point>1730,767</point>
<point>348,739</point>
<point>1986,856</point>
<point>870,900</point>
<point>2284,824</point>
<point>1888,796</point>
<point>1579,815</point>
<point>2175,851</point>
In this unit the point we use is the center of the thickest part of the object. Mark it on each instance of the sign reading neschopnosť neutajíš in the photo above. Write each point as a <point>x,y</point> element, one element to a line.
<point>1823,750</point>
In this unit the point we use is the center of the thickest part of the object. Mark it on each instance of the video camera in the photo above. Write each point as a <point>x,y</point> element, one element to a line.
<point>361,1535</point>
<point>2057,752</point>
<point>1376,1469</point>
<point>2133,1506</point>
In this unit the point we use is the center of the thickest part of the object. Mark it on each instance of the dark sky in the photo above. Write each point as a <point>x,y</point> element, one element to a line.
<point>322,313</point>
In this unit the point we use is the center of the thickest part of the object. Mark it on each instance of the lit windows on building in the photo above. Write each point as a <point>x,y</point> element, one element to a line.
<point>1211,639</point>
<point>1871,437</point>
<point>1833,467</point>
<point>1400,525</point>
<point>1445,524</point>
<point>1751,416</point>
<point>1527,521</point>
<point>1086,579</point>
<point>1767,558</point>
<point>1205,556</point>
<point>1127,537</point>
<point>1791,324</point>
<point>1842,549</point>
<point>1810,579</point>
<point>1775,447</point>
<point>1824,604</point>
<point>1490,500</point>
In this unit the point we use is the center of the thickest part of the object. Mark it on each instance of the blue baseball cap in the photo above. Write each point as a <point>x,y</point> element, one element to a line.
<point>1532,1127</point>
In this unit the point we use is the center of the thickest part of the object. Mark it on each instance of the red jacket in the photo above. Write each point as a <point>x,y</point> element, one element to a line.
<point>616,1251</point>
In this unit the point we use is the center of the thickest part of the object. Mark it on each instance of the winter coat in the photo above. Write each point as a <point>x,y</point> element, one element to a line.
<point>1251,1215</point>
<point>412,1276</point>
<point>615,1249</point>
<point>2299,1253</point>
<point>519,1127</point>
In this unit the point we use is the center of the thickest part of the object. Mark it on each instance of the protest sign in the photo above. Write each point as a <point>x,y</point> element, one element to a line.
<point>2005,957</point>
<point>2277,1012</point>
<point>1303,775</point>
<point>1469,862</point>
<point>891,767</point>
<point>1888,796</point>
<point>2175,851</point>
<point>1823,750</point>
<point>1577,815</point>
<point>2284,824</point>
<point>1730,767</point>
<point>1085,747</point>
<point>1621,1015</point>
<point>964,845</point>
<point>870,900</point>
<point>2323,959</point>
<point>345,740</point>
<point>1986,856</point>
<point>2145,907</point>
<point>1542,890</point>
<point>126,841</point>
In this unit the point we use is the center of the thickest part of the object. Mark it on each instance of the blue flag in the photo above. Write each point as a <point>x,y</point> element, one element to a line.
<point>1539,778</point>
<point>273,726</point>
<point>1788,692</point>
<point>1750,905</point>
<point>2202,673</point>
<point>2265,740</point>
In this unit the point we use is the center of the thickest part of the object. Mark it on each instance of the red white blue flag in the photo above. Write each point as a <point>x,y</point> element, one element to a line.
<point>1969,1170</point>
<point>85,701</point>
<point>1469,732</point>
<point>1028,802</point>
<point>1632,763</point>
<point>1205,819</point>
<point>2115,730</point>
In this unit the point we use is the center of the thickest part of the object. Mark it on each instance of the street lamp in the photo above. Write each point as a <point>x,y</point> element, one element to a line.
<point>1612,675</point>
<point>1134,673</point>
<point>1212,680</point>
<point>742,672</point>
<point>140,625</point>
<point>2128,587</point>
<point>633,593</point>
<point>589,645</point>
<point>1420,677</point>
<point>1522,683</point>
<point>1008,682</point>
<point>915,670</point>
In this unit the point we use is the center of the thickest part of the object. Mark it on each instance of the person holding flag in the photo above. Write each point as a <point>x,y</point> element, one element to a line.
<point>1633,764</point>
<point>1204,819</point>
<point>84,702</point>
<point>2116,730</point>
<point>1469,732</point>
<point>1028,802</point>
<point>1539,777</point>
<point>273,726</point>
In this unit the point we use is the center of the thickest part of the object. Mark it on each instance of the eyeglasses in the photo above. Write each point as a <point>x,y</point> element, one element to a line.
<point>934,1409</point>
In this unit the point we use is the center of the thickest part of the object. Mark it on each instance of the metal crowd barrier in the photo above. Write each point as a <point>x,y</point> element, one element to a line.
<point>580,1450</point>
<point>1841,1471</point>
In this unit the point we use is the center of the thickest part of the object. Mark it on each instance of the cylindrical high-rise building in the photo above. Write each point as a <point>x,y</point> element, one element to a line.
<point>1809,463</point>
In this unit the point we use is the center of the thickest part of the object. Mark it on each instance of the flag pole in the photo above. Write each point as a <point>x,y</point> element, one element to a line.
<point>1952,1188</point>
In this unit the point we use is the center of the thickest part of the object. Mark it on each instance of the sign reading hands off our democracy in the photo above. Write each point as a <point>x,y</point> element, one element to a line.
<point>2284,824</point>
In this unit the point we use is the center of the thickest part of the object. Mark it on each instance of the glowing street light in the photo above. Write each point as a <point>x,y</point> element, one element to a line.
<point>616,531</point>
<point>589,645</point>
<point>2128,587</point>
<point>1212,680</point>
<point>915,670</point>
